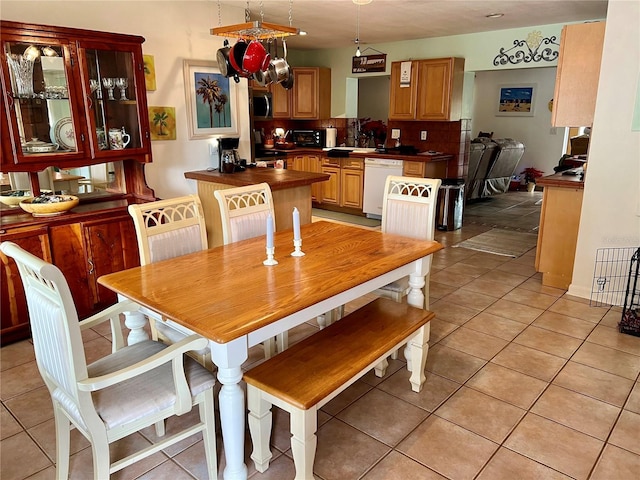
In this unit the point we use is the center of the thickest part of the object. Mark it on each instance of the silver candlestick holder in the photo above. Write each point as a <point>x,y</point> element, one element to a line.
<point>297,252</point>
<point>270,257</point>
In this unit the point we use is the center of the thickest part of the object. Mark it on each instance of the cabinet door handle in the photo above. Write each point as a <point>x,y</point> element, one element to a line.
<point>91,269</point>
<point>10,99</point>
<point>89,103</point>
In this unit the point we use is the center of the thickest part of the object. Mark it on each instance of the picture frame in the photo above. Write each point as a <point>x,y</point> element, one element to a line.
<point>516,100</point>
<point>162,121</point>
<point>211,100</point>
<point>149,72</point>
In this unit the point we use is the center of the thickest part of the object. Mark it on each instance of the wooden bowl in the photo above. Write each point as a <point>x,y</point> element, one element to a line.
<point>14,200</point>
<point>66,203</point>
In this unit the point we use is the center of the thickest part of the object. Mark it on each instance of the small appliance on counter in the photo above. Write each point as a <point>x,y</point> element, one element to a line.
<point>228,154</point>
<point>308,138</point>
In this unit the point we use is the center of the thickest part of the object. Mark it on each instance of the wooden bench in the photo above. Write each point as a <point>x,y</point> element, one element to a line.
<point>309,374</point>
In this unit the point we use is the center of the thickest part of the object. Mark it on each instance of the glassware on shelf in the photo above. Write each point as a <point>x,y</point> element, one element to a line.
<point>109,84</point>
<point>22,69</point>
<point>122,84</point>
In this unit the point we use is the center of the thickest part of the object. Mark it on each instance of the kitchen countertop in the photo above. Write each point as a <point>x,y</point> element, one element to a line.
<point>278,179</point>
<point>560,180</point>
<point>411,158</point>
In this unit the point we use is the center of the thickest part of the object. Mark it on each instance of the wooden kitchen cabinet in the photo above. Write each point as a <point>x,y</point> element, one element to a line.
<point>440,84</point>
<point>346,183</point>
<point>413,169</point>
<point>558,232</point>
<point>403,99</point>
<point>433,94</point>
<point>436,169</point>
<point>280,101</point>
<point>352,184</point>
<point>70,100</point>
<point>311,93</point>
<point>331,188</point>
<point>308,163</point>
<point>14,317</point>
<point>577,75</point>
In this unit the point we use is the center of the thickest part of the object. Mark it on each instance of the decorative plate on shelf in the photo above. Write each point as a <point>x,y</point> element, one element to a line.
<point>65,136</point>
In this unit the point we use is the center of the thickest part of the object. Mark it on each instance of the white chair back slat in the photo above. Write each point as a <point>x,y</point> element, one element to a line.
<point>248,226</point>
<point>169,228</point>
<point>244,211</point>
<point>54,322</point>
<point>409,206</point>
<point>175,243</point>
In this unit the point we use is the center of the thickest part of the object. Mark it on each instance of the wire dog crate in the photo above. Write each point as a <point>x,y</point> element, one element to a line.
<point>630,321</point>
<point>611,271</point>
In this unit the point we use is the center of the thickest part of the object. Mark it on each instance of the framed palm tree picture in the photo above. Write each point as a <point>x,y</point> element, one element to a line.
<point>162,121</point>
<point>211,100</point>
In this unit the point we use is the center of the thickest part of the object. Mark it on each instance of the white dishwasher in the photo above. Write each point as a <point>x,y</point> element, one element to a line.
<point>376,171</point>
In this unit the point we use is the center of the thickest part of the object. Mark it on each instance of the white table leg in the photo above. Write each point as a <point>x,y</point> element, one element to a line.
<point>228,358</point>
<point>135,321</point>
<point>418,347</point>
<point>415,298</point>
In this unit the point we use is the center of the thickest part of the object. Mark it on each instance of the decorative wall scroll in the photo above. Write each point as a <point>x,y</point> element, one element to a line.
<point>534,49</point>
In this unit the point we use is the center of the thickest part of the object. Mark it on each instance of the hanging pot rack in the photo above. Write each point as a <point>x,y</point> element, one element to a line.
<point>257,29</point>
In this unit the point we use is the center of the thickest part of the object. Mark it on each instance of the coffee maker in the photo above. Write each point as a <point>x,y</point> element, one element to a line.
<point>228,155</point>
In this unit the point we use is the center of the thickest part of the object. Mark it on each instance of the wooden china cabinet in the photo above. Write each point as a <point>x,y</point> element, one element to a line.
<point>74,100</point>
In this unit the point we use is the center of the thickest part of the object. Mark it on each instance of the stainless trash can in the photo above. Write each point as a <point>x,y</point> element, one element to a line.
<point>450,204</point>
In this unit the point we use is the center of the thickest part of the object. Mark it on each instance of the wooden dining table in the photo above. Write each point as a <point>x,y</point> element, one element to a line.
<point>227,295</point>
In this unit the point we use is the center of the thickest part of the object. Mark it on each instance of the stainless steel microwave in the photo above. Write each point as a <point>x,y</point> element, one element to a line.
<point>262,106</point>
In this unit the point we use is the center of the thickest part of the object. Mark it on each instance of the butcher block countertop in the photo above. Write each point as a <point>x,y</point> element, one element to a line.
<point>278,179</point>
<point>560,180</point>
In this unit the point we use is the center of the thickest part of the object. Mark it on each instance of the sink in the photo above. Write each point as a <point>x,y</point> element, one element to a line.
<point>352,149</point>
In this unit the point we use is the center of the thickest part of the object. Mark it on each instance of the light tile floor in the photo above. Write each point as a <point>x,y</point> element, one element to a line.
<point>523,382</point>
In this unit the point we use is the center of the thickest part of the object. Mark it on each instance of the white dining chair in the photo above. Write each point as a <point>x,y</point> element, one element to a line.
<point>168,229</point>
<point>124,392</point>
<point>409,209</point>
<point>244,212</point>
<point>20,180</point>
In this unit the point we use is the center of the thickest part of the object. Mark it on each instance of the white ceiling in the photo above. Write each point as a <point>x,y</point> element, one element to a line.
<point>332,23</point>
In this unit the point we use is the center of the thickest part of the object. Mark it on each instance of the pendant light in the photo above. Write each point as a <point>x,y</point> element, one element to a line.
<point>357,30</point>
<point>357,41</point>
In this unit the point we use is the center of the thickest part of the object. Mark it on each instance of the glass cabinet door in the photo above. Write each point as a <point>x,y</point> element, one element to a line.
<point>40,100</point>
<point>113,99</point>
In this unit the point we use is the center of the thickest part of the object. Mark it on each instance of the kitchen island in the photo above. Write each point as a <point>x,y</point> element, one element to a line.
<point>559,224</point>
<point>289,189</point>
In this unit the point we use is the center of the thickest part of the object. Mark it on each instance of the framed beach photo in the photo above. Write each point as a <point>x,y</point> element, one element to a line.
<point>516,100</point>
<point>211,100</point>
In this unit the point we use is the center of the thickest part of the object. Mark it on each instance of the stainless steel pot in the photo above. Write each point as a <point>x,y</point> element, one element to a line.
<point>224,63</point>
<point>279,69</point>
